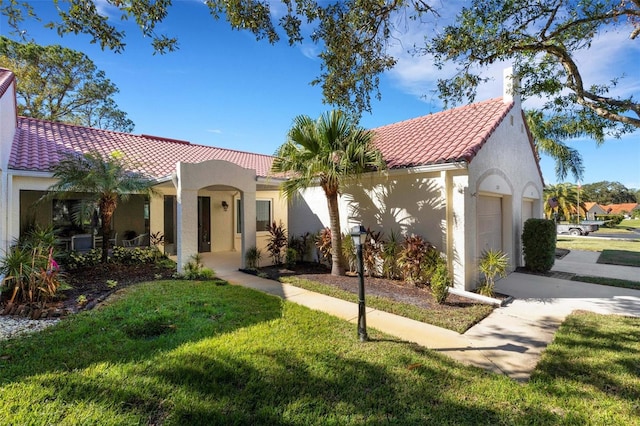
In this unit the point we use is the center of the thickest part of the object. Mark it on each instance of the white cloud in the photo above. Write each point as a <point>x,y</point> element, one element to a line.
<point>309,49</point>
<point>216,131</point>
<point>105,8</point>
<point>612,54</point>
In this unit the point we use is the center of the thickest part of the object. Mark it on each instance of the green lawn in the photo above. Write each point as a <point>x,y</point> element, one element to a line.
<point>630,223</point>
<point>458,319</point>
<point>597,244</point>
<point>190,353</point>
<point>614,252</point>
<point>620,257</point>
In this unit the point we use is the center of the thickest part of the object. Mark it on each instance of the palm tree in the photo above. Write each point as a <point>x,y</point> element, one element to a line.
<point>566,195</point>
<point>547,135</point>
<point>106,179</point>
<point>326,152</point>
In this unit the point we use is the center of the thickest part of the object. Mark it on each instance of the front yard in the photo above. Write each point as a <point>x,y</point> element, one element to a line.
<point>190,352</point>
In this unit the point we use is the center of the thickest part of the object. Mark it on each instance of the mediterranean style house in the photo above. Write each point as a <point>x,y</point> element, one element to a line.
<point>465,179</point>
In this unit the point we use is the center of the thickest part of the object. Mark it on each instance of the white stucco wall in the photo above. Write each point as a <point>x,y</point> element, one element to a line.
<point>440,202</point>
<point>7,132</point>
<point>279,214</point>
<point>506,167</point>
<point>403,202</point>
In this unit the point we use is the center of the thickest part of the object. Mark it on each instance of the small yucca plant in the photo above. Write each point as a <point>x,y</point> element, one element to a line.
<point>252,257</point>
<point>493,263</point>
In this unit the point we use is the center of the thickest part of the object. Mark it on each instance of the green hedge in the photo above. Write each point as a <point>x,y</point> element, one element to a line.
<point>612,220</point>
<point>539,244</point>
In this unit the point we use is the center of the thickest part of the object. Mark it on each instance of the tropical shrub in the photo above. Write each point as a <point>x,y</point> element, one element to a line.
<point>493,263</point>
<point>612,220</point>
<point>156,239</point>
<point>291,255</point>
<point>136,255</point>
<point>440,282</point>
<point>276,242</point>
<point>301,244</point>
<point>119,255</point>
<point>252,257</point>
<point>194,269</point>
<point>389,253</point>
<point>349,253</point>
<point>416,259</point>
<point>323,244</point>
<point>75,260</point>
<point>371,252</point>
<point>30,272</point>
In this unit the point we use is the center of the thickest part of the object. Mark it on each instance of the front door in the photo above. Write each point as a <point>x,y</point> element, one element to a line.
<point>204,224</point>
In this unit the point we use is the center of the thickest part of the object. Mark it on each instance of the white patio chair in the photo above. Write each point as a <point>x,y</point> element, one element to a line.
<point>97,241</point>
<point>138,241</point>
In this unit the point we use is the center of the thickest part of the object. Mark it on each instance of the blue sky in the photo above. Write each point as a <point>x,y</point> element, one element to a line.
<point>223,88</point>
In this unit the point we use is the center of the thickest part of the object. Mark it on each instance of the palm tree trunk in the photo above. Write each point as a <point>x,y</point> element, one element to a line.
<point>107,207</point>
<point>337,267</point>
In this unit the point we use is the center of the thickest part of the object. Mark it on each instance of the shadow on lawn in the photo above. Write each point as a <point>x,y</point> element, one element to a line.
<point>277,387</point>
<point>128,329</point>
<point>575,352</point>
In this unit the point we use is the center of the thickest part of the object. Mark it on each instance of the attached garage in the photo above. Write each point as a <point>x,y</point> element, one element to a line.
<point>527,210</point>
<point>489,235</point>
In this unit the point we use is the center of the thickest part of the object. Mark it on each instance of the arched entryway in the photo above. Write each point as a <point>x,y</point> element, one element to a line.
<point>202,197</point>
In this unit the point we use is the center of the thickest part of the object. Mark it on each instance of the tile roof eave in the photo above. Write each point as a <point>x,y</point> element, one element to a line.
<point>431,167</point>
<point>8,77</point>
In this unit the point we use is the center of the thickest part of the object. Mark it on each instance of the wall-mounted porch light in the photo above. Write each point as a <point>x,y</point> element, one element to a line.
<point>225,206</point>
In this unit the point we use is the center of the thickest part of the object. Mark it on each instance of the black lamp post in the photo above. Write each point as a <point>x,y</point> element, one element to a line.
<point>359,236</point>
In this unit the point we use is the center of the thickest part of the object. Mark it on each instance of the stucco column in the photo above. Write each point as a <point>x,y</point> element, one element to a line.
<point>248,223</point>
<point>461,236</point>
<point>187,221</point>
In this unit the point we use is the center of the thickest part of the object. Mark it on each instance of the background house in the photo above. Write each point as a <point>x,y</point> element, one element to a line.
<point>623,209</point>
<point>465,179</point>
<point>593,210</point>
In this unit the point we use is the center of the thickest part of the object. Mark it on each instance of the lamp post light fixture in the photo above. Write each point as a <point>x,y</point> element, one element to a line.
<point>359,236</point>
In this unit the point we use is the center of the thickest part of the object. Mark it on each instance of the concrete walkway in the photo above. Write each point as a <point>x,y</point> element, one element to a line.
<point>509,341</point>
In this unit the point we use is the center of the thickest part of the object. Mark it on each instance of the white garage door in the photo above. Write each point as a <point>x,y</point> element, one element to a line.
<point>489,223</point>
<point>527,210</point>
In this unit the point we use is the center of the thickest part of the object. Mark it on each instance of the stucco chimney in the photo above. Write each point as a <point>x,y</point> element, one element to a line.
<point>510,87</point>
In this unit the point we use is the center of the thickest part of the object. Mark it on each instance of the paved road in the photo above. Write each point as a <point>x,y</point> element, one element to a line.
<point>626,236</point>
<point>603,234</point>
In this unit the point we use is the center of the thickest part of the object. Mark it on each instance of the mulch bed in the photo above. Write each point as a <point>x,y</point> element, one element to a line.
<point>90,283</point>
<point>396,290</point>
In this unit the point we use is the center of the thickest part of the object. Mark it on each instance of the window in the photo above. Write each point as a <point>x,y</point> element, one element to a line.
<point>74,216</point>
<point>263,215</point>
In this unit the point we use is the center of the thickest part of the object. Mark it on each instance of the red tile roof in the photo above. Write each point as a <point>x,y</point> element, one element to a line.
<point>588,205</point>
<point>6,77</point>
<point>621,208</point>
<point>446,137</point>
<point>449,136</point>
<point>39,144</point>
